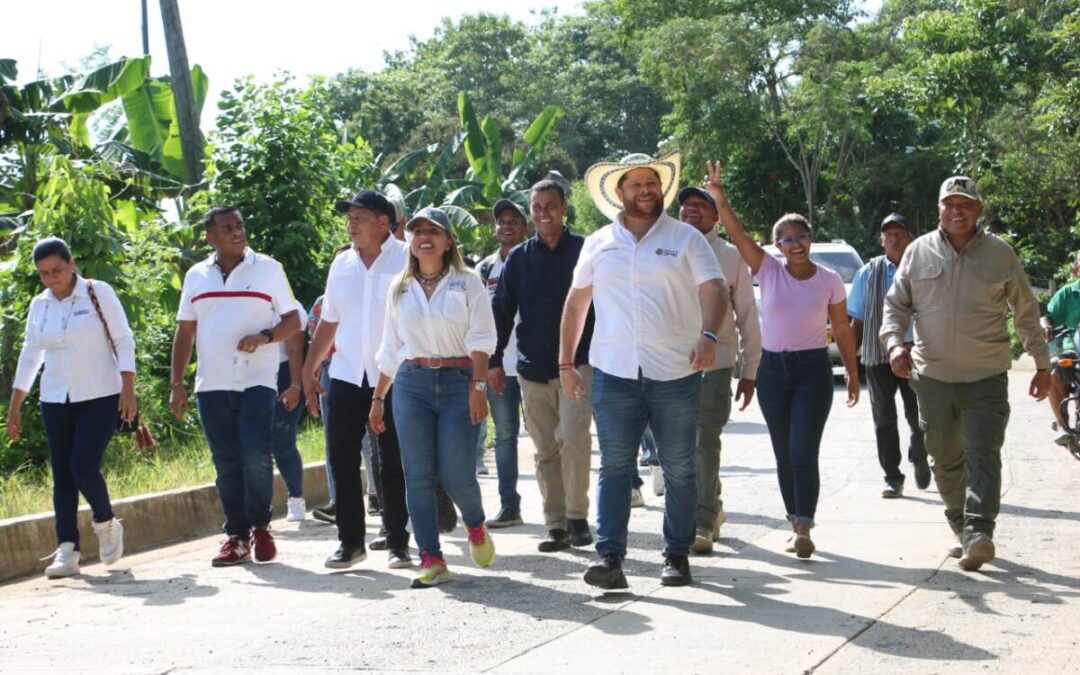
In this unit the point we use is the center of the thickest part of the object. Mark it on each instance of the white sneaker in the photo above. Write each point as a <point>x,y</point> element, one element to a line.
<point>297,509</point>
<point>110,536</point>
<point>657,480</point>
<point>65,561</point>
<point>636,500</point>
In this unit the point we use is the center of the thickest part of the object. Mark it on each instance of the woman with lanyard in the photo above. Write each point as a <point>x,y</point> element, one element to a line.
<point>795,383</point>
<point>79,330</point>
<point>438,334</point>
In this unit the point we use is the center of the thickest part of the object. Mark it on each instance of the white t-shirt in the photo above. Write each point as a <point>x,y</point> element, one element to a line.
<point>510,354</point>
<point>454,322</point>
<point>254,297</point>
<point>69,338</point>
<point>645,295</point>
<point>355,300</point>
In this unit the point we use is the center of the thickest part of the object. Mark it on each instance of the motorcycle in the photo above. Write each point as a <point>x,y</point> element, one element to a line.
<point>1066,365</point>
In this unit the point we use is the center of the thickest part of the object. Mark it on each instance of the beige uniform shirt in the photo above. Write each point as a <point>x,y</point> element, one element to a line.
<point>743,314</point>
<point>959,302</point>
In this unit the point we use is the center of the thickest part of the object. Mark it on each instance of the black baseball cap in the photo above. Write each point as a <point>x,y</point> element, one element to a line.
<point>504,204</point>
<point>369,199</point>
<point>897,219</point>
<point>691,191</point>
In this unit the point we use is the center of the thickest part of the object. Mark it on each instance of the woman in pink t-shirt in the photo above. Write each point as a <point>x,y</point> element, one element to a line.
<point>794,381</point>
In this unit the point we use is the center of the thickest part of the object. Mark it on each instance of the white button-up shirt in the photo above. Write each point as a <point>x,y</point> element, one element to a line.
<point>355,300</point>
<point>454,322</point>
<point>68,337</point>
<point>645,294</point>
<point>253,297</point>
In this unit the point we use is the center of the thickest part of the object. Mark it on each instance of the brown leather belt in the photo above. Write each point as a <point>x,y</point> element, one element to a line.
<point>442,362</point>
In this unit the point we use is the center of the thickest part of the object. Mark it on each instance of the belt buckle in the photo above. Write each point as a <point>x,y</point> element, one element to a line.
<point>432,361</point>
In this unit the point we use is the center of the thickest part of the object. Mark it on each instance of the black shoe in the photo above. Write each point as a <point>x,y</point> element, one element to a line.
<point>327,513</point>
<point>373,507</point>
<point>606,574</point>
<point>379,544</point>
<point>399,559</point>
<point>676,571</point>
<point>507,517</point>
<point>555,540</point>
<point>447,514</point>
<point>894,489</point>
<point>579,532</point>
<point>346,556</point>
<point>922,474</point>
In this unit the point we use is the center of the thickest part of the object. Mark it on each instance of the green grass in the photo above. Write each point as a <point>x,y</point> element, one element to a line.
<point>129,472</point>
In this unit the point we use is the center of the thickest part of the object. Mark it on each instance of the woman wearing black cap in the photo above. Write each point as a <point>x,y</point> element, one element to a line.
<point>437,336</point>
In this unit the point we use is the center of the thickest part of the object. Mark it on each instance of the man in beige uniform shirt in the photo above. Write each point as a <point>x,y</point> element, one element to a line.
<point>959,281</point>
<point>696,207</point>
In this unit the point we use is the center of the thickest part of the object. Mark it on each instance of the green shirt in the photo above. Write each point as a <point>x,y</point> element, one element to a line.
<point>1064,310</point>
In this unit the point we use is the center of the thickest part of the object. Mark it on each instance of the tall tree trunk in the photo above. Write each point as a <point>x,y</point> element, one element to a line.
<point>191,142</point>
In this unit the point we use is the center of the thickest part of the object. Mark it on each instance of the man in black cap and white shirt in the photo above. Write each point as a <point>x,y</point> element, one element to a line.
<point>352,321</point>
<point>866,304</point>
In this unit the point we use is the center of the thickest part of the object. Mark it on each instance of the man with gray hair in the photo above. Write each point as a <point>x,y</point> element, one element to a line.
<point>960,281</point>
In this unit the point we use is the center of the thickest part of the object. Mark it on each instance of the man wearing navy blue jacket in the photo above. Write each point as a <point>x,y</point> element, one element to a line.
<point>533,288</point>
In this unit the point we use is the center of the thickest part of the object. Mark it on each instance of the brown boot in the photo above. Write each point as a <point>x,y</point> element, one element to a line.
<point>804,545</point>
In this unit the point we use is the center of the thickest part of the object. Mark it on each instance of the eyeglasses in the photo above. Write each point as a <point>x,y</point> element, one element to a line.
<point>797,239</point>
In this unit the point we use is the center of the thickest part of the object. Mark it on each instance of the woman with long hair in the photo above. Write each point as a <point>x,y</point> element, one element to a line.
<point>795,385</point>
<point>78,329</point>
<point>437,336</point>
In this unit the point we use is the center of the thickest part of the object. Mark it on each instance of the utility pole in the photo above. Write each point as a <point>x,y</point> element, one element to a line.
<point>191,142</point>
<point>145,30</point>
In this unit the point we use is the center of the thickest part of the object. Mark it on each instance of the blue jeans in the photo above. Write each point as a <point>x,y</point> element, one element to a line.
<point>795,392</point>
<point>438,443</point>
<point>78,435</point>
<point>622,409</point>
<point>324,411</point>
<point>506,412</point>
<point>239,430</point>
<point>285,452</point>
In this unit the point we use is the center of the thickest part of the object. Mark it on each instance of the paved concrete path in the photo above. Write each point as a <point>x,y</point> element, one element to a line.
<point>880,594</point>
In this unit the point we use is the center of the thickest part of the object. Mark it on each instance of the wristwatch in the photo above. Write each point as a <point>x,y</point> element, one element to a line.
<point>479,385</point>
<point>268,334</point>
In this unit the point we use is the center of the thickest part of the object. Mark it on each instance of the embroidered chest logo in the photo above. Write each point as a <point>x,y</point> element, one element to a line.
<point>457,286</point>
<point>668,252</point>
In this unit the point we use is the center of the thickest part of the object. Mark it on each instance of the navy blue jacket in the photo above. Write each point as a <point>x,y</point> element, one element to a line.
<point>534,283</point>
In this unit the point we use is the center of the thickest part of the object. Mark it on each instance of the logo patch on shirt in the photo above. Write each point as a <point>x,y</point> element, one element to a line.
<point>457,286</point>
<point>80,312</point>
<point>667,252</point>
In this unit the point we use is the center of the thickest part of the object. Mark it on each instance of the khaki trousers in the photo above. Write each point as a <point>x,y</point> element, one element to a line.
<point>559,429</point>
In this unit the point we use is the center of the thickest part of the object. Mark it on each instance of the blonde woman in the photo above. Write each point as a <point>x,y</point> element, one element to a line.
<point>78,329</point>
<point>437,336</point>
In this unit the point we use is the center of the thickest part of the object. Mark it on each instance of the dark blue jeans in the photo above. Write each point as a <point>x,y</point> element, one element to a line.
<point>239,430</point>
<point>795,392</point>
<point>324,411</point>
<point>78,434</point>
<point>286,454</point>
<point>506,412</point>
<point>438,443</point>
<point>622,409</point>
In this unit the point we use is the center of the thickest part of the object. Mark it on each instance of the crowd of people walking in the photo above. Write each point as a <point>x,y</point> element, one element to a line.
<point>643,328</point>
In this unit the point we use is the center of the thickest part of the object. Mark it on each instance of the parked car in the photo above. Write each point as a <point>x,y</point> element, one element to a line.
<point>838,256</point>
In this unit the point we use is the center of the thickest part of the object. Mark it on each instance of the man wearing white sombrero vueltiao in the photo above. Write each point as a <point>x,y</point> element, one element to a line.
<point>658,294</point>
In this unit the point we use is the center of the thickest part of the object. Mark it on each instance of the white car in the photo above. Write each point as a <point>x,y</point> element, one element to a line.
<point>838,256</point>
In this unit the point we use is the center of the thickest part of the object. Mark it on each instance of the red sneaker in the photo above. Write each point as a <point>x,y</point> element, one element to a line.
<point>234,551</point>
<point>265,548</point>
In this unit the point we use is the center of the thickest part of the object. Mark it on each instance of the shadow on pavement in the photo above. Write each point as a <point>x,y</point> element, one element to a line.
<point>154,592</point>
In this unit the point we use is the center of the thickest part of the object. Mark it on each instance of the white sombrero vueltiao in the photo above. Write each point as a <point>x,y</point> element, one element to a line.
<point>602,178</point>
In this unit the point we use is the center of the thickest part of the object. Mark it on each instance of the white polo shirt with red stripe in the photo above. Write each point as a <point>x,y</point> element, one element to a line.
<point>254,296</point>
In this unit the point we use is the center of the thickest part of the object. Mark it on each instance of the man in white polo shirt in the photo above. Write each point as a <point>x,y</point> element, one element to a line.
<point>233,306</point>
<point>659,297</point>
<point>352,322</point>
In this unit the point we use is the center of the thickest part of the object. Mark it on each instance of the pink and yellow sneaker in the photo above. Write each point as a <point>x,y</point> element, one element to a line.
<point>480,545</point>
<point>432,571</point>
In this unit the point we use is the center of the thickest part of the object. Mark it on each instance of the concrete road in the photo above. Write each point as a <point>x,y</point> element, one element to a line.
<point>879,596</point>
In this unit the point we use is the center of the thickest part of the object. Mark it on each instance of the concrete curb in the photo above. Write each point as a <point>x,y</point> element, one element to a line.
<point>149,521</point>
